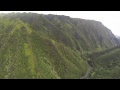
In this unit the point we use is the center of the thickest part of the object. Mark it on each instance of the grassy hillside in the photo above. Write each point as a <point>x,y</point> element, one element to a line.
<point>24,53</point>
<point>77,34</point>
<point>51,46</point>
<point>105,64</point>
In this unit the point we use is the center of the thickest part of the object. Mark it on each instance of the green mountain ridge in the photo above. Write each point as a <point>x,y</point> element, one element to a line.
<point>50,46</point>
<point>105,64</point>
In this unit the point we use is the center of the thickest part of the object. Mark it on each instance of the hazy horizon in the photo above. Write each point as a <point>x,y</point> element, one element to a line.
<point>111,19</point>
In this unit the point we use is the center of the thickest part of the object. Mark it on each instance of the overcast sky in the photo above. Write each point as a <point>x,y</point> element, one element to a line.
<point>110,19</point>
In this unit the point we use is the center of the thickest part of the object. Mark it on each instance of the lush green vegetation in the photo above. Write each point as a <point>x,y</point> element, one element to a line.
<point>105,64</point>
<point>52,46</point>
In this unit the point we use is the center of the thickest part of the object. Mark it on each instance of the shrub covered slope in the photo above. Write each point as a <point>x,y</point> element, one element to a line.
<point>51,46</point>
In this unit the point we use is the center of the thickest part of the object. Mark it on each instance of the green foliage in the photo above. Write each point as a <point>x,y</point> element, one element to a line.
<point>106,64</point>
<point>25,53</point>
<point>52,46</point>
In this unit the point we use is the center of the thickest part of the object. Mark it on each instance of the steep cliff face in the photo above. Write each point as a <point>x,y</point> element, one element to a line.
<point>118,37</point>
<point>49,46</point>
<point>77,34</point>
<point>89,34</point>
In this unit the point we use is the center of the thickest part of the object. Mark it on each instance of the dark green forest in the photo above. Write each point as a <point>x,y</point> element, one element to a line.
<point>38,46</point>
